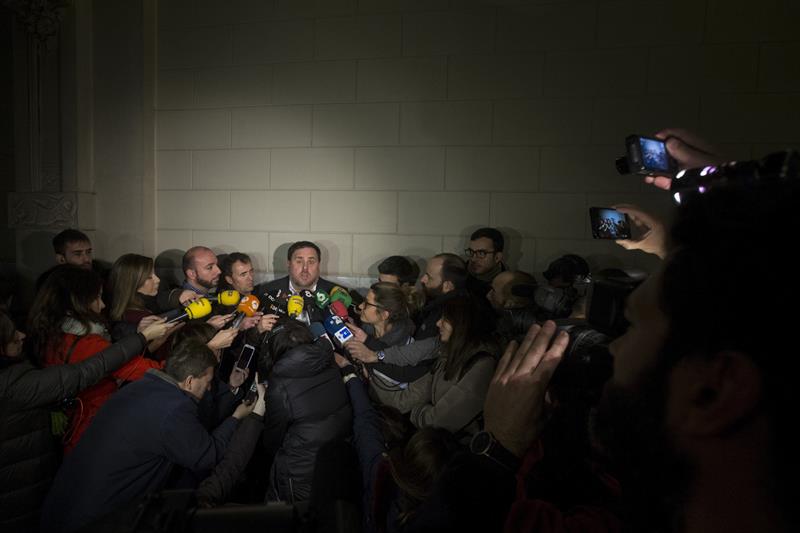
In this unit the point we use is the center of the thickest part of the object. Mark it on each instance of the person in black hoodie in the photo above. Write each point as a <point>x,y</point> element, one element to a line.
<point>307,406</point>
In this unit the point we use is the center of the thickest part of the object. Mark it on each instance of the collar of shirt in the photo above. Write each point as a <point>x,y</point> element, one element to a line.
<point>189,286</point>
<point>293,291</point>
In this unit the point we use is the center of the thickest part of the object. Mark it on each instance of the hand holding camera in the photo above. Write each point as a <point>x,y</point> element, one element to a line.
<point>653,233</point>
<point>514,408</point>
<point>659,158</point>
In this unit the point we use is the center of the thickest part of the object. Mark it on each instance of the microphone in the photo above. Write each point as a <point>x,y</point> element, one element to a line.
<point>307,294</point>
<point>336,327</point>
<point>341,294</point>
<point>248,306</point>
<point>295,306</point>
<point>195,309</point>
<point>318,332</point>
<point>273,305</point>
<point>338,308</point>
<point>229,297</point>
<point>322,299</point>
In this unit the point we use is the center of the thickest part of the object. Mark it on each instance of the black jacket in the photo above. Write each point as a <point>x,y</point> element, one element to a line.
<point>307,406</point>
<point>430,314</point>
<point>282,285</point>
<point>28,456</point>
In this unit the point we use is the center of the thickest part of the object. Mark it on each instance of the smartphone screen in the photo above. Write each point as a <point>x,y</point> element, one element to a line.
<point>245,356</point>
<point>654,154</point>
<point>609,223</point>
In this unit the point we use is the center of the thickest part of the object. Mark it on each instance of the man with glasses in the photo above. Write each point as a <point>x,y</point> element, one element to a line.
<point>484,259</point>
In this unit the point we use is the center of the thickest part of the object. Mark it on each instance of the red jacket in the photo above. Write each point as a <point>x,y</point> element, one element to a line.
<point>91,399</point>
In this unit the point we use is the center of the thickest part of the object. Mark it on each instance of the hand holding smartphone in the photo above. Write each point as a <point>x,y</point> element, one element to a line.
<point>608,223</point>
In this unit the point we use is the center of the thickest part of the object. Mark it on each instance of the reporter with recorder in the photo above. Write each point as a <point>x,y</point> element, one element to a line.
<point>28,457</point>
<point>138,439</point>
<point>451,395</point>
<point>222,397</point>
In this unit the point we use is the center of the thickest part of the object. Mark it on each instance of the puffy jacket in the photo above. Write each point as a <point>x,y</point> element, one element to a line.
<point>92,398</point>
<point>307,405</point>
<point>28,455</point>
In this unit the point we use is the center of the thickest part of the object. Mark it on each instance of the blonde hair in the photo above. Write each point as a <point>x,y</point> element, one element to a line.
<point>129,273</point>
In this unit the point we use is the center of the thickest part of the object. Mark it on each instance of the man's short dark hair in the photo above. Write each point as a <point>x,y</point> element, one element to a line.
<point>406,270</point>
<point>66,237</point>
<point>454,270</point>
<point>226,265</point>
<point>303,244</point>
<point>188,258</point>
<point>498,242</point>
<point>189,358</point>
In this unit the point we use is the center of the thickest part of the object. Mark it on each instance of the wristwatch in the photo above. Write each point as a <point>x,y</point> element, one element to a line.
<point>380,355</point>
<point>484,443</point>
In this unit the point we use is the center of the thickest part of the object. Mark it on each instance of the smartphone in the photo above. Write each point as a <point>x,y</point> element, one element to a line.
<point>649,156</point>
<point>252,393</point>
<point>245,356</point>
<point>608,223</point>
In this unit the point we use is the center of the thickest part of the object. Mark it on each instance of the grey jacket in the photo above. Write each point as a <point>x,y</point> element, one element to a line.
<point>454,405</point>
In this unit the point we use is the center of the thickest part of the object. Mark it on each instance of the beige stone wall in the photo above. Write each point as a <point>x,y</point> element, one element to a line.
<point>384,126</point>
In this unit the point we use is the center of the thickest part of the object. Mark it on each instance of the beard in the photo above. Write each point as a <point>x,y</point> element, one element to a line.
<point>629,428</point>
<point>207,283</point>
<point>431,293</point>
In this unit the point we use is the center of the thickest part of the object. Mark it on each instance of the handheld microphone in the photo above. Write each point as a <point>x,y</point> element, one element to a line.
<point>338,309</point>
<point>196,309</point>
<point>274,306</point>
<point>248,306</point>
<point>229,297</point>
<point>307,294</point>
<point>336,327</point>
<point>322,299</point>
<point>295,306</point>
<point>318,332</point>
<point>341,295</point>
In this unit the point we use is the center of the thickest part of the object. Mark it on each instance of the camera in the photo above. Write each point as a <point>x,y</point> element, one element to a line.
<point>607,295</point>
<point>647,156</point>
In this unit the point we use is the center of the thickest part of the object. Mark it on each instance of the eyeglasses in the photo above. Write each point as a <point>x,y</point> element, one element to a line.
<point>480,254</point>
<point>376,306</point>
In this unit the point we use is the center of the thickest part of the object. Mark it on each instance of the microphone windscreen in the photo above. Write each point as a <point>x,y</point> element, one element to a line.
<point>317,330</point>
<point>338,309</point>
<point>342,296</point>
<point>249,305</point>
<point>198,308</point>
<point>229,297</point>
<point>295,306</point>
<point>322,299</point>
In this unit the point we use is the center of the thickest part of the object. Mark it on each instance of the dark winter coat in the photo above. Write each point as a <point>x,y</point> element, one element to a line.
<point>136,439</point>
<point>307,406</point>
<point>28,451</point>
